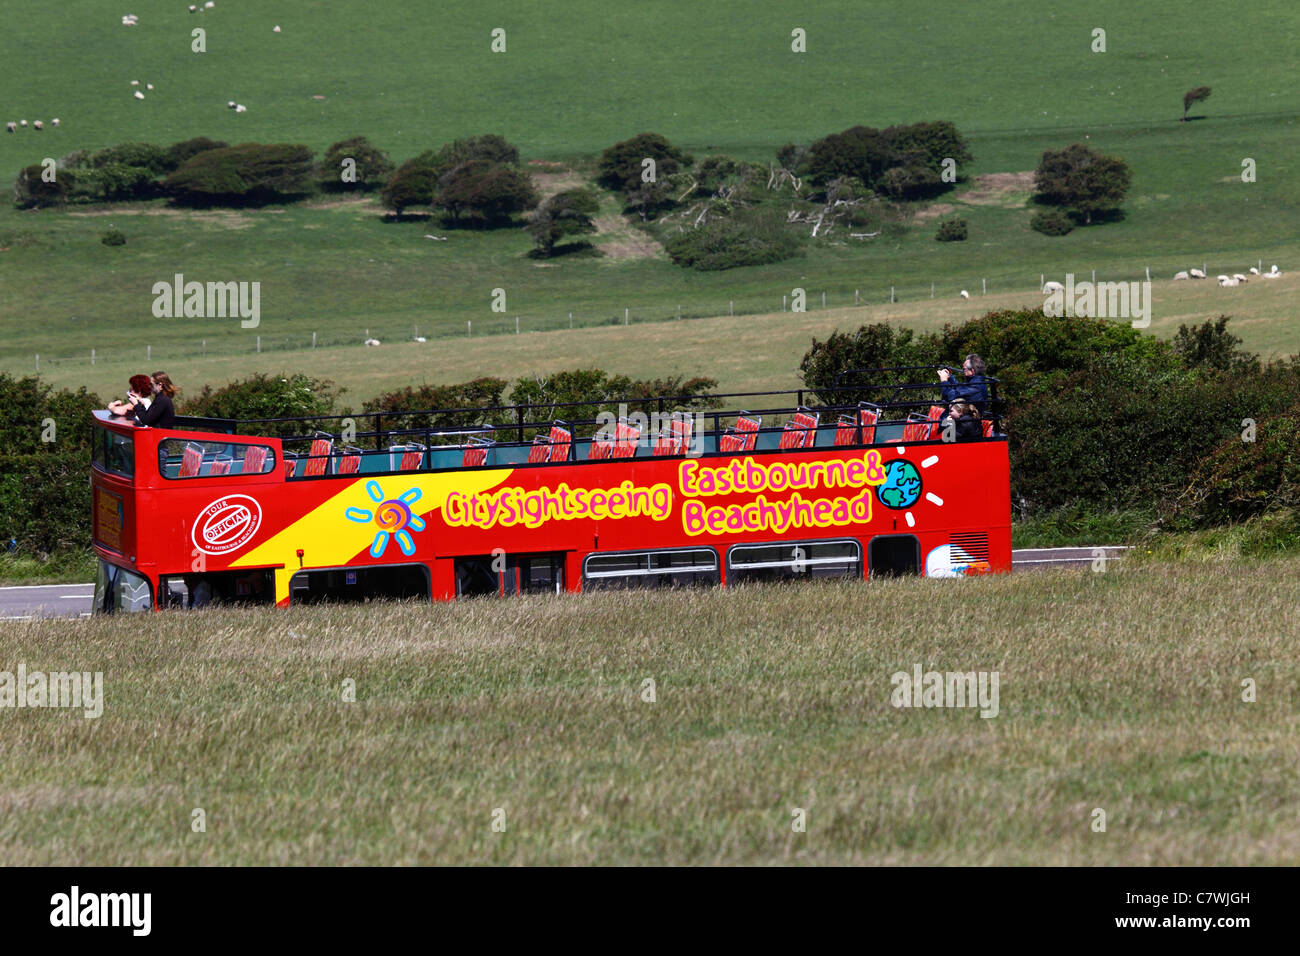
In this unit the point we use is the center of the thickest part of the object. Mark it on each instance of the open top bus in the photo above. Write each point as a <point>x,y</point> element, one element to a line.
<point>867,481</point>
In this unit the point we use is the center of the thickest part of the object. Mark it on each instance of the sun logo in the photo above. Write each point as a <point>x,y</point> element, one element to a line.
<point>392,515</point>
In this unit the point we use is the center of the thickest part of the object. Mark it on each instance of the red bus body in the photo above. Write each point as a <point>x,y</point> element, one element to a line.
<point>947,503</point>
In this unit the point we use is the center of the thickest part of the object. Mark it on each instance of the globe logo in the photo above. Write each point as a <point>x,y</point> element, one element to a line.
<point>902,485</point>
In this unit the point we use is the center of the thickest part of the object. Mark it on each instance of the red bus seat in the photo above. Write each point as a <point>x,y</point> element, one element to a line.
<point>220,465</point>
<point>625,439</point>
<point>747,427</point>
<point>846,430</point>
<point>318,459</point>
<point>191,461</point>
<point>254,460</point>
<point>936,412</point>
<point>868,415</point>
<point>561,442</point>
<point>988,428</point>
<point>476,453</point>
<point>601,446</point>
<point>730,442</point>
<point>407,457</point>
<point>916,429</point>
<point>350,463</point>
<point>290,463</point>
<point>539,451</point>
<point>800,430</point>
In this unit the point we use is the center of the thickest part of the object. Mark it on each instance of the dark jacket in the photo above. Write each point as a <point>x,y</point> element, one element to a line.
<point>969,429</point>
<point>160,414</point>
<point>975,390</point>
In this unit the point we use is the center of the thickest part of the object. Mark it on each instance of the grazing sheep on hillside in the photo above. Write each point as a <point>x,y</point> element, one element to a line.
<point>135,82</point>
<point>421,338</point>
<point>11,127</point>
<point>275,29</point>
<point>22,123</point>
<point>1240,278</point>
<point>1180,275</point>
<point>193,8</point>
<point>1050,287</point>
<point>1196,273</point>
<point>139,95</point>
<point>1274,270</point>
<point>1226,281</point>
<point>372,341</point>
<point>965,294</point>
<point>38,125</point>
<point>241,108</point>
<point>55,121</point>
<point>1254,271</point>
<point>230,104</point>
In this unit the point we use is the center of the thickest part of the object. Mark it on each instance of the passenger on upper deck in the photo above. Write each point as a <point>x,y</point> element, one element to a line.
<point>975,390</point>
<point>160,414</point>
<point>967,421</point>
<point>139,397</point>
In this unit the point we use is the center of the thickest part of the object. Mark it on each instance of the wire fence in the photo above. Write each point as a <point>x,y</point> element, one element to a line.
<point>381,332</point>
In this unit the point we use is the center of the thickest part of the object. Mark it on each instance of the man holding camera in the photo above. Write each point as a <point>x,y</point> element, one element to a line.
<point>974,390</point>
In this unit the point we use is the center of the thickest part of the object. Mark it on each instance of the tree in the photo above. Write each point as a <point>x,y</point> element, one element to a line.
<point>485,189</point>
<point>178,153</point>
<point>144,155</point>
<point>564,214</point>
<point>861,152</point>
<point>370,167</point>
<point>411,185</point>
<point>622,165</point>
<point>1194,95</point>
<point>249,172</point>
<point>1083,181</point>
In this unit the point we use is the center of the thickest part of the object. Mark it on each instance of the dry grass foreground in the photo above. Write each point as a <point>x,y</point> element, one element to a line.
<point>1119,690</point>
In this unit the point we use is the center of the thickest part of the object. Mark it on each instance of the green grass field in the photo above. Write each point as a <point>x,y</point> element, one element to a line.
<point>1015,79</point>
<point>1119,690</point>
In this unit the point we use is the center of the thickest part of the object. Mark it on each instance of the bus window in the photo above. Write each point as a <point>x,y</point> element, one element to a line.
<point>114,453</point>
<point>186,458</point>
<point>507,575</point>
<point>117,589</point>
<point>650,569</point>
<point>788,559</point>
<point>894,554</point>
<point>217,587</point>
<point>347,585</point>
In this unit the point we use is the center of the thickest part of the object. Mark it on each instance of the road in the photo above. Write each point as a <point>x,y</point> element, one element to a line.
<point>73,600</point>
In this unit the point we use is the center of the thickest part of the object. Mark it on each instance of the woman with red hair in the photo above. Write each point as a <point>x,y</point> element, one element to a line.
<point>139,397</point>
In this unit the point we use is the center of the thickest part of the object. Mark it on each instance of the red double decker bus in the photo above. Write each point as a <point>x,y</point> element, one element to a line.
<point>286,511</point>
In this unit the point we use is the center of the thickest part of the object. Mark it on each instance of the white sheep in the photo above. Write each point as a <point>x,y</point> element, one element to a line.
<point>241,108</point>
<point>421,338</point>
<point>1274,270</point>
<point>193,8</point>
<point>1196,273</point>
<point>372,341</point>
<point>38,125</point>
<point>135,82</point>
<point>1180,275</point>
<point>1227,281</point>
<point>1240,278</point>
<point>965,294</point>
<point>139,95</point>
<point>11,127</point>
<point>55,121</point>
<point>1271,275</point>
<point>230,104</point>
<point>1254,271</point>
<point>209,5</point>
<point>22,123</point>
<point>148,86</point>
<point>1050,287</point>
<point>275,29</point>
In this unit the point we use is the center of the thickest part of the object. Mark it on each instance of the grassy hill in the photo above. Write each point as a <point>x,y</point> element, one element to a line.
<point>1113,694</point>
<point>1014,78</point>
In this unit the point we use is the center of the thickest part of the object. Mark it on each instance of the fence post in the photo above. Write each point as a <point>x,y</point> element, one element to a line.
<point>823,299</point>
<point>148,353</point>
<point>205,346</point>
<point>570,320</point>
<point>984,286</point>
<point>679,311</point>
<point>783,298</point>
<point>1094,276</point>
<point>1148,273</point>
<point>626,315</point>
<point>516,325</point>
<point>259,345</point>
<point>38,361</point>
<point>469,328</point>
<point>932,290</point>
<point>313,340</point>
<point>731,306</point>
<point>92,356</point>
<point>855,296</point>
<point>891,294</point>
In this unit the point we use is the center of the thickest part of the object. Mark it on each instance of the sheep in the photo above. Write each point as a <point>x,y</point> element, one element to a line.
<point>1196,273</point>
<point>1272,275</point>
<point>421,338</point>
<point>1274,270</point>
<point>209,5</point>
<point>55,121</point>
<point>38,126</point>
<point>1227,281</point>
<point>965,294</point>
<point>22,123</point>
<point>1179,275</point>
<point>1254,271</point>
<point>148,86</point>
<point>275,29</point>
<point>193,8</point>
<point>241,108</point>
<point>1240,278</point>
<point>135,82</point>
<point>230,104</point>
<point>1222,279</point>
<point>11,127</point>
<point>139,95</point>
<point>372,341</point>
<point>1050,287</point>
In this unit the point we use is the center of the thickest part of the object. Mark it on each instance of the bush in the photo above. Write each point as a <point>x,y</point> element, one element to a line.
<point>116,181</point>
<point>144,155</point>
<point>904,161</point>
<point>951,230</point>
<point>727,244</point>
<point>178,153</point>
<point>429,399</point>
<point>1051,222</point>
<point>373,167</point>
<point>113,237</point>
<point>248,173</point>
<point>598,391</point>
<point>621,164</point>
<point>44,494</point>
<point>1211,346</point>
<point>268,396</point>
<point>567,213</point>
<point>1082,181</point>
<point>31,191</point>
<point>879,345</point>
